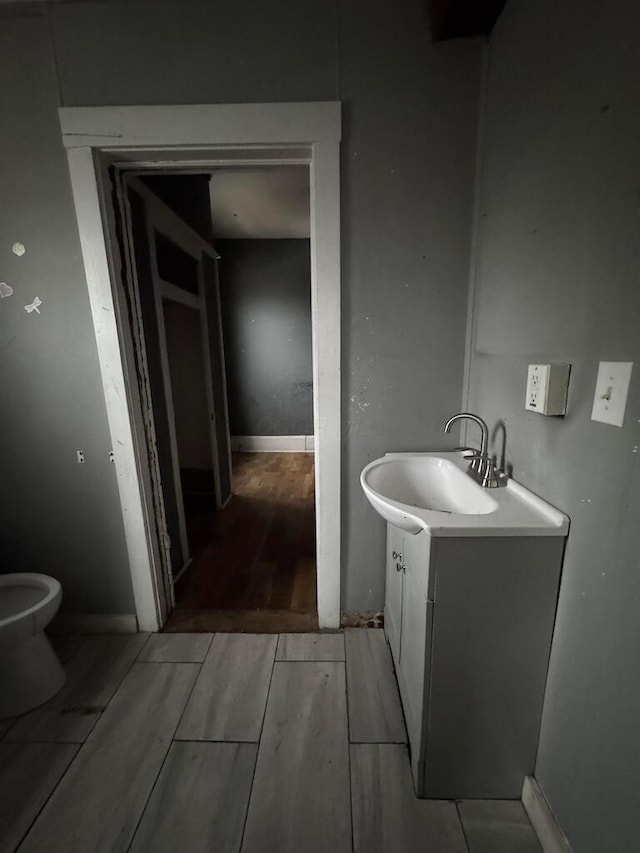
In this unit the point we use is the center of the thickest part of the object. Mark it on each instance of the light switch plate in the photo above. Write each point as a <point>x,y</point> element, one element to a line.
<point>612,388</point>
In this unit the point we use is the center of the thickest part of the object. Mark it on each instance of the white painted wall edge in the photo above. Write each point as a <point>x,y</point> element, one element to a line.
<point>273,443</point>
<point>94,623</point>
<point>552,839</point>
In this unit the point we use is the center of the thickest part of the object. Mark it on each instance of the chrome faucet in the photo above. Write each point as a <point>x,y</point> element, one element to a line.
<point>482,467</point>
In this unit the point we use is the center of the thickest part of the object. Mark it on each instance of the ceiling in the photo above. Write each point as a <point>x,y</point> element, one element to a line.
<point>267,202</point>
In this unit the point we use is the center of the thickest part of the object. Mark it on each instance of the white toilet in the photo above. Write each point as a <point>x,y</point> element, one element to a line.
<point>30,672</point>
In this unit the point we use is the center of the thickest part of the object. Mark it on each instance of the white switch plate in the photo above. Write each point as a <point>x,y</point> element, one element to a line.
<point>547,387</point>
<point>612,388</point>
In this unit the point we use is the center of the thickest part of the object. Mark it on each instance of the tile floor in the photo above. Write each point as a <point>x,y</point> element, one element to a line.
<point>230,742</point>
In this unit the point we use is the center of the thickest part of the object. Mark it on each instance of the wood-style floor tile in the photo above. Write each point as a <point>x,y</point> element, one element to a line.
<point>498,826</point>
<point>300,797</point>
<point>94,673</point>
<point>28,774</point>
<point>128,779</point>
<point>230,696</point>
<point>375,713</point>
<point>176,648</point>
<point>387,816</point>
<point>309,647</point>
<point>199,803</point>
<point>99,802</point>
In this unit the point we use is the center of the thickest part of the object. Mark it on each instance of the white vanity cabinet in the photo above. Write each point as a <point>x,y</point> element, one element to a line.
<point>393,590</point>
<point>407,618</point>
<point>469,622</point>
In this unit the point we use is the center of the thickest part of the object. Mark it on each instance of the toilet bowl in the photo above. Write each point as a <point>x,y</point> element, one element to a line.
<point>30,672</point>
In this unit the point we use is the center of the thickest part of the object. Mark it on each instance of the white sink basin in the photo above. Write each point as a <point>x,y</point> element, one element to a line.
<point>433,492</point>
<point>424,482</point>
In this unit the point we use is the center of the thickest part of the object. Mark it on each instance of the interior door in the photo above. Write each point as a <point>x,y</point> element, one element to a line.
<point>175,287</point>
<point>218,374</point>
<point>415,646</point>
<point>158,426</point>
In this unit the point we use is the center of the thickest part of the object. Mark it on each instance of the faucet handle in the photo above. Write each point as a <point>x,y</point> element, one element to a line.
<point>467,452</point>
<point>485,471</point>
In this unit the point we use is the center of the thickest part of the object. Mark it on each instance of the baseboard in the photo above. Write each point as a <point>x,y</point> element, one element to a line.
<point>94,623</point>
<point>552,839</point>
<point>273,443</point>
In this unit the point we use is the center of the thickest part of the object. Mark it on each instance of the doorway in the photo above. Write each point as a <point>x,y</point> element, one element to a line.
<point>240,526</point>
<point>122,138</point>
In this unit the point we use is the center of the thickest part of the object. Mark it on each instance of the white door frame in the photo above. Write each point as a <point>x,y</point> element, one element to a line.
<point>211,135</point>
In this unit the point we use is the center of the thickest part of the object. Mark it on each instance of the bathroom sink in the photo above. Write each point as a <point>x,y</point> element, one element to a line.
<point>433,492</point>
<point>396,486</point>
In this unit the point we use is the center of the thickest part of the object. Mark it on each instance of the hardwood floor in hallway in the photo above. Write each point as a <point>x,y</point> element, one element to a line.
<point>258,570</point>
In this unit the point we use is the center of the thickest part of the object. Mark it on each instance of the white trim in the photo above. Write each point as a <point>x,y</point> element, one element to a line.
<point>224,156</point>
<point>200,124</point>
<point>136,133</point>
<point>130,483</point>
<point>272,443</point>
<point>326,344</point>
<point>94,623</point>
<point>552,839</point>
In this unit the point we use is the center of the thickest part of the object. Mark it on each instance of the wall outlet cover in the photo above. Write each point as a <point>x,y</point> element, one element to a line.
<point>612,389</point>
<point>547,388</point>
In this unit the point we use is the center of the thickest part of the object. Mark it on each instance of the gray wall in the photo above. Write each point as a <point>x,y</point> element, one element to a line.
<point>407,177</point>
<point>58,517</point>
<point>265,288</point>
<point>557,280</point>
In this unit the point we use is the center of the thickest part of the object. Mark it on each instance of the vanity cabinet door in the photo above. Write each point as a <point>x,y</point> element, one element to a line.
<point>415,650</point>
<point>393,594</point>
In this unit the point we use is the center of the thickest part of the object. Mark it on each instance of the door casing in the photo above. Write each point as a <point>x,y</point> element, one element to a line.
<point>194,137</point>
